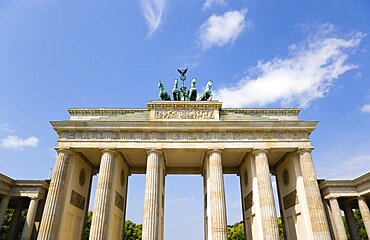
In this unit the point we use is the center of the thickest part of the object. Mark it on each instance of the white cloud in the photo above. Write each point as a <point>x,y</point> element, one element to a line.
<point>349,169</point>
<point>223,29</point>
<point>153,13</point>
<point>365,108</point>
<point>18,143</point>
<point>306,74</point>
<point>209,3</point>
<point>5,128</point>
<point>181,200</point>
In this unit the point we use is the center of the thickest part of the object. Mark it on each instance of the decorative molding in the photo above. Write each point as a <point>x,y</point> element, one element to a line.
<point>183,136</point>
<point>105,111</point>
<point>82,177</point>
<point>259,111</point>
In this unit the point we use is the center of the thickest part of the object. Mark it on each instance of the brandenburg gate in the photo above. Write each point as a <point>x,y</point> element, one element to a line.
<point>184,137</point>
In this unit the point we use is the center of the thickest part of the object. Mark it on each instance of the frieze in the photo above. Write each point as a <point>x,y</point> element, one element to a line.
<point>184,114</point>
<point>184,136</point>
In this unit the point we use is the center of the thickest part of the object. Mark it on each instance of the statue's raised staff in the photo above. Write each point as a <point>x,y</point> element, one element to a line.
<point>207,93</point>
<point>184,95</point>
<point>163,95</point>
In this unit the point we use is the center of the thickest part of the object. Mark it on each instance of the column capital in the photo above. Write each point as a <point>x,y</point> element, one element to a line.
<point>108,150</point>
<point>66,151</point>
<point>214,150</point>
<point>154,150</point>
<point>362,198</point>
<point>256,151</point>
<point>36,198</point>
<point>304,150</point>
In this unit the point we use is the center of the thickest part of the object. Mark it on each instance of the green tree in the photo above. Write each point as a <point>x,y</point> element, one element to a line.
<point>132,231</point>
<point>7,221</point>
<point>236,231</point>
<point>360,225</point>
<point>280,227</point>
<point>87,226</point>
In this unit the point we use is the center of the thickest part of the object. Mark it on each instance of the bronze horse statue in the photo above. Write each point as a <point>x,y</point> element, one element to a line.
<point>163,95</point>
<point>207,93</point>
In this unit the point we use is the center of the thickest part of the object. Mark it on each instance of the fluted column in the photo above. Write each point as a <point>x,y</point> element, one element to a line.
<point>365,214</point>
<point>320,228</point>
<point>30,219</point>
<point>338,221</point>
<point>3,206</point>
<point>216,195</point>
<point>99,229</point>
<point>53,207</point>
<point>351,222</point>
<point>152,198</point>
<point>15,220</point>
<point>266,196</point>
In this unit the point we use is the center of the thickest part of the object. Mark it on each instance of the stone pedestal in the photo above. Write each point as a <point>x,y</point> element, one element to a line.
<point>351,222</point>
<point>55,200</point>
<point>216,228</point>
<point>3,206</point>
<point>320,228</point>
<point>265,196</point>
<point>153,206</point>
<point>340,231</point>
<point>15,220</point>
<point>365,214</point>
<point>101,211</point>
<point>30,219</point>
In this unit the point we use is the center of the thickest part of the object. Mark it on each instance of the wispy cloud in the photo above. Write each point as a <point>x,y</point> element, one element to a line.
<point>306,74</point>
<point>5,128</point>
<point>220,30</point>
<point>153,13</point>
<point>349,169</point>
<point>208,3</point>
<point>181,200</point>
<point>17,143</point>
<point>365,108</point>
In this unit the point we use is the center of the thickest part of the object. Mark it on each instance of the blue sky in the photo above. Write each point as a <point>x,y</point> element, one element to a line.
<point>56,54</point>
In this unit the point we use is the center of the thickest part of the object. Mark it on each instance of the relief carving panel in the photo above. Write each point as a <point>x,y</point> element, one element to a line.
<point>77,200</point>
<point>184,114</point>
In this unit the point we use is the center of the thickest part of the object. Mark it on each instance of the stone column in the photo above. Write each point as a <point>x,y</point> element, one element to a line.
<point>217,222</point>
<point>152,198</point>
<point>49,227</point>
<point>265,195</point>
<point>3,206</point>
<point>15,220</point>
<point>320,228</point>
<point>338,221</point>
<point>365,214</point>
<point>351,222</point>
<point>30,219</point>
<point>99,229</point>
